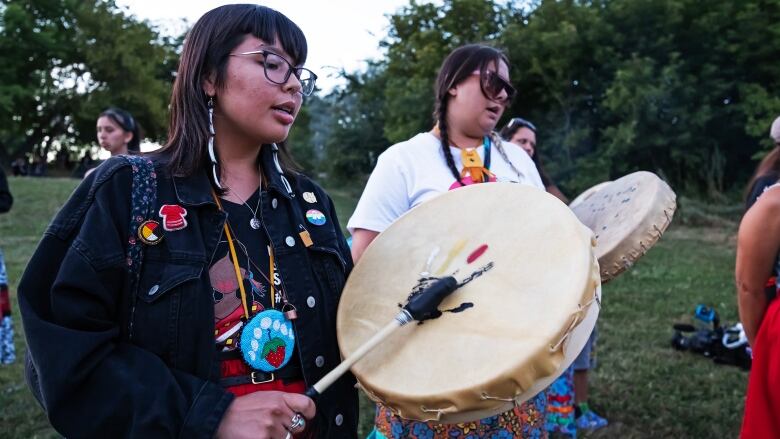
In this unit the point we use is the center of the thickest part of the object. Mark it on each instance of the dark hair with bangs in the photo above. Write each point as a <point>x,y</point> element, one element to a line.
<point>456,68</point>
<point>206,50</point>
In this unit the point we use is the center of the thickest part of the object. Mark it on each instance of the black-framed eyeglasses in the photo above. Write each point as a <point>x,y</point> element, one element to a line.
<point>275,71</point>
<point>520,122</point>
<point>493,83</point>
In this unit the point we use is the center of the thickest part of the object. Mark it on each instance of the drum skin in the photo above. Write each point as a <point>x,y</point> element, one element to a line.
<point>587,193</point>
<point>518,325</point>
<point>627,216</point>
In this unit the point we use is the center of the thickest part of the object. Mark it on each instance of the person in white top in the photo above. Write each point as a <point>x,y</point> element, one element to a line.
<point>472,92</point>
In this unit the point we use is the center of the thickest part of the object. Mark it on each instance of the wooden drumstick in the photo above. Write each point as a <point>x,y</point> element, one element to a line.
<point>421,307</point>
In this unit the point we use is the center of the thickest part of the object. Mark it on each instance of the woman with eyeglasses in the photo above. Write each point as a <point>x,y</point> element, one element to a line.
<point>523,134</point>
<point>232,314</point>
<point>472,92</point>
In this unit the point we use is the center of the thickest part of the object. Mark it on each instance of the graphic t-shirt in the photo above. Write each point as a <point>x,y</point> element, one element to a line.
<point>253,261</point>
<point>414,171</point>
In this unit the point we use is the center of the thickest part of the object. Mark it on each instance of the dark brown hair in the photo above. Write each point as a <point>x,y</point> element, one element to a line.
<point>206,50</point>
<point>509,131</point>
<point>456,68</point>
<point>128,124</point>
<point>770,164</point>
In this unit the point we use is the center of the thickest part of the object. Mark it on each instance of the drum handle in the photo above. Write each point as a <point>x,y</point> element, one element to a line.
<point>575,321</point>
<point>421,306</point>
<point>401,319</point>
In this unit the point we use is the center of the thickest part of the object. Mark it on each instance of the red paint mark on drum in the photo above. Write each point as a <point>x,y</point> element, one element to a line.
<point>477,253</point>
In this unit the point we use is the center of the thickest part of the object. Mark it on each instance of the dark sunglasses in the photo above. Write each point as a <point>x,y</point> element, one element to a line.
<point>520,122</point>
<point>492,83</point>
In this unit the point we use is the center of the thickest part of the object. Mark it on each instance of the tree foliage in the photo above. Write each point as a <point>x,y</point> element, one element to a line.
<point>683,88</point>
<point>66,60</point>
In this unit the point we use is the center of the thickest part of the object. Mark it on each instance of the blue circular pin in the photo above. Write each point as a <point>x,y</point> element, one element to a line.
<point>316,217</point>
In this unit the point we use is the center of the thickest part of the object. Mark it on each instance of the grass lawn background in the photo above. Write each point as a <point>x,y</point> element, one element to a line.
<point>644,387</point>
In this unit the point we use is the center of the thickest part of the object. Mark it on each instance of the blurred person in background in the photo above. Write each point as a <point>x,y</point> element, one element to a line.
<point>7,349</point>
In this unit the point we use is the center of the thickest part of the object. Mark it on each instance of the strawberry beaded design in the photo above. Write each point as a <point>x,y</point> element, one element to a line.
<point>267,341</point>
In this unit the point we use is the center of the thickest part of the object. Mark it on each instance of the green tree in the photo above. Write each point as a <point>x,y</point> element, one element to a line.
<point>420,37</point>
<point>65,60</point>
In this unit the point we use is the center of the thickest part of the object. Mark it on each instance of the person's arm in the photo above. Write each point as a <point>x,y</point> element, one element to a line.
<point>385,198</point>
<point>361,238</point>
<point>6,200</point>
<point>758,243</point>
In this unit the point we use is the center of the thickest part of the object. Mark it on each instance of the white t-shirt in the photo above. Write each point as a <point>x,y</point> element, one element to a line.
<point>414,171</point>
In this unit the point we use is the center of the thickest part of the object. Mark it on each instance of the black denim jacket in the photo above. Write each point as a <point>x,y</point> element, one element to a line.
<point>98,379</point>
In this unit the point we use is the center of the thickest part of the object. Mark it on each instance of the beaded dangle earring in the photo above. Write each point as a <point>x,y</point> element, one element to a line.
<point>275,150</point>
<point>212,155</point>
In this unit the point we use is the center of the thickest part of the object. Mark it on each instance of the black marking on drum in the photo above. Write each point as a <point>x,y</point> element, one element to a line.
<point>460,308</point>
<point>484,269</point>
<point>425,282</point>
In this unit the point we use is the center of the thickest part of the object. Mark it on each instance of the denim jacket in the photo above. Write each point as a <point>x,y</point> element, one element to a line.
<point>118,363</point>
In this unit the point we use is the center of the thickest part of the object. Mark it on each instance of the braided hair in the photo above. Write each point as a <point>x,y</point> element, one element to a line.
<point>496,139</point>
<point>456,68</point>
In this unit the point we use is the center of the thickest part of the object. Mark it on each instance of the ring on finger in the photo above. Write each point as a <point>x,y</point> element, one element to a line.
<point>297,423</point>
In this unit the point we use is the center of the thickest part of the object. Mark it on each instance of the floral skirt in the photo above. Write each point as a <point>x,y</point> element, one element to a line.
<point>560,405</point>
<point>524,421</point>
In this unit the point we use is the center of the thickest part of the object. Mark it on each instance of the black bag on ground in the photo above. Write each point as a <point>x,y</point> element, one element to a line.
<point>724,345</point>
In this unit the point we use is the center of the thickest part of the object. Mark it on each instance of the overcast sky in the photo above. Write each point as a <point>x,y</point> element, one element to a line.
<point>341,33</point>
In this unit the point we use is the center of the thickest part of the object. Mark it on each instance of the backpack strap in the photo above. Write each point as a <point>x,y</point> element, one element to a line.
<point>143,203</point>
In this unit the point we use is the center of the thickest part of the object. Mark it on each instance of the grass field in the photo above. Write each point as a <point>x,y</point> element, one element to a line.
<point>644,387</point>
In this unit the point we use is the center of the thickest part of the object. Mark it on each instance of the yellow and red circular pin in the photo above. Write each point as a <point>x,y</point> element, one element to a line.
<point>150,232</point>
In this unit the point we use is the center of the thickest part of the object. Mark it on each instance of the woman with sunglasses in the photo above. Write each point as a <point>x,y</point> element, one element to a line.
<point>472,92</point>
<point>243,264</point>
<point>523,134</point>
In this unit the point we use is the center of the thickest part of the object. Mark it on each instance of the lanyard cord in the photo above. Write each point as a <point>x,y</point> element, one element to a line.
<point>486,142</point>
<point>244,301</point>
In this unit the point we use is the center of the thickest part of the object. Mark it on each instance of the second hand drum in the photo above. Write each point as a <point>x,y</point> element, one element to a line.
<point>628,216</point>
<point>528,298</point>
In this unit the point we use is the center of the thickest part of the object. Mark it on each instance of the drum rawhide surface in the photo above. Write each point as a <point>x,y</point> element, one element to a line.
<point>627,217</point>
<point>587,193</point>
<point>529,302</point>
